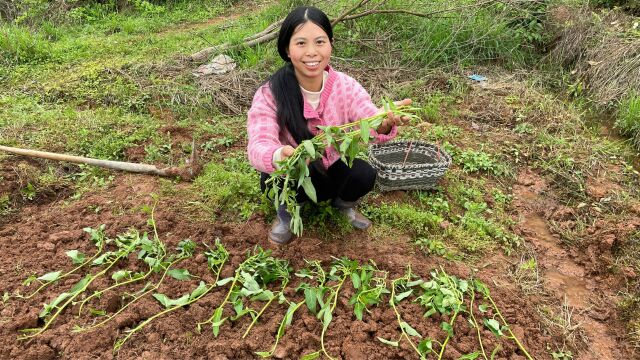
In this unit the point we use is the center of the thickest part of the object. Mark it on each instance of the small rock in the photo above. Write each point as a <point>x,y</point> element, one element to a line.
<point>153,338</point>
<point>607,242</point>
<point>599,314</point>
<point>65,236</point>
<point>281,352</point>
<point>46,246</point>
<point>518,331</point>
<point>200,258</point>
<point>629,273</point>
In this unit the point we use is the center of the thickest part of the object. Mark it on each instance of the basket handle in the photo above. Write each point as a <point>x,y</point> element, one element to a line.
<point>407,154</point>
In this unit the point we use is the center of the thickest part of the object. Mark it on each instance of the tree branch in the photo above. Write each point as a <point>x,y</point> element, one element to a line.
<point>271,31</point>
<point>407,12</point>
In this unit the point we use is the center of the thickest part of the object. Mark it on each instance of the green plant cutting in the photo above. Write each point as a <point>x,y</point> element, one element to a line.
<point>349,140</point>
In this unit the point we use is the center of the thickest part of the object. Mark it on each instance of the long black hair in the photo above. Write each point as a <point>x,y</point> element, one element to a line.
<point>283,83</point>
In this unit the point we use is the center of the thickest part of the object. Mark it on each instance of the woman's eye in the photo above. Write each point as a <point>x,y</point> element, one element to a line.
<point>300,43</point>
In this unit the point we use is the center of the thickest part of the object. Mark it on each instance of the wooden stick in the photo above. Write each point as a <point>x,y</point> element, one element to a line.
<point>108,164</point>
<point>407,154</point>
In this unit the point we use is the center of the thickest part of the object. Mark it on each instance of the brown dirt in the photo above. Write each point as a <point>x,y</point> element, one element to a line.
<point>565,272</point>
<point>44,233</point>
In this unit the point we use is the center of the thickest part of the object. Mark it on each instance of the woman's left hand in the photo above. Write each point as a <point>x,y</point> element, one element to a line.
<point>393,120</point>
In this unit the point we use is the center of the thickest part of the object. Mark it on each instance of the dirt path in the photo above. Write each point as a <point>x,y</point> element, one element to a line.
<point>587,302</point>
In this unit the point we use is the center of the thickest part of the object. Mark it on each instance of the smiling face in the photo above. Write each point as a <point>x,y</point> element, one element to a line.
<point>309,50</point>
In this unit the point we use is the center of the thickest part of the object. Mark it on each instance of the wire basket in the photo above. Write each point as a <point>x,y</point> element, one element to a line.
<point>408,164</point>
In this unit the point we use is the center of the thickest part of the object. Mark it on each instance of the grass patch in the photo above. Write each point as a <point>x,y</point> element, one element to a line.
<point>228,189</point>
<point>628,118</point>
<point>20,45</point>
<point>101,133</point>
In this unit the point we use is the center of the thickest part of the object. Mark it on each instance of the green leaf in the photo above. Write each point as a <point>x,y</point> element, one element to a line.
<point>310,299</point>
<point>49,277</point>
<point>167,302</point>
<point>288,317</point>
<point>409,330</point>
<point>264,354</point>
<point>97,312</point>
<point>80,285</point>
<point>344,146</point>
<point>494,326</point>
<point>447,327</point>
<point>265,295</point>
<point>49,307</point>
<point>425,346</point>
<point>29,280</point>
<point>163,299</point>
<point>309,189</point>
<point>365,131</point>
<point>472,356</point>
<point>179,274</point>
<point>355,279</point>
<point>221,282</point>
<point>308,147</point>
<point>217,321</point>
<point>430,312</point>
<point>76,256</point>
<point>482,308</point>
<point>326,320</point>
<point>311,356</point>
<point>358,310</point>
<point>121,274</point>
<point>388,342</point>
<point>402,295</point>
<point>201,289</point>
<point>101,259</point>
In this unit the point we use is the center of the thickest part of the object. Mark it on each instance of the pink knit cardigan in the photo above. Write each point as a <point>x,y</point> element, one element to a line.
<point>343,100</point>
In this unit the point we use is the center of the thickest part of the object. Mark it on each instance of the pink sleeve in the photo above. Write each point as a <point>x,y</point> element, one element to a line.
<point>263,131</point>
<point>362,107</point>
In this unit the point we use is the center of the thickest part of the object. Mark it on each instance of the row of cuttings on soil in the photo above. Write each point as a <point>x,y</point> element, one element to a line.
<point>259,281</point>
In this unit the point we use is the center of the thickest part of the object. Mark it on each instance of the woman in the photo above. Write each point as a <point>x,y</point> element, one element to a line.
<point>305,93</point>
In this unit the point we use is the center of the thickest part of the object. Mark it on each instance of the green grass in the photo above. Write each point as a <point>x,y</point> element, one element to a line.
<point>628,118</point>
<point>102,133</point>
<point>228,189</point>
<point>453,38</point>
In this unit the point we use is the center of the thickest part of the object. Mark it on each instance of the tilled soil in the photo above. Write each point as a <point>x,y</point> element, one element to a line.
<point>35,241</point>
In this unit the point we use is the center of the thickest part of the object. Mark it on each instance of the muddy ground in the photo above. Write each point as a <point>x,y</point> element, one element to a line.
<point>35,240</point>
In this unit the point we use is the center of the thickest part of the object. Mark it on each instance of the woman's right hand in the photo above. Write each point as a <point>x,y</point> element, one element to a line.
<point>286,151</point>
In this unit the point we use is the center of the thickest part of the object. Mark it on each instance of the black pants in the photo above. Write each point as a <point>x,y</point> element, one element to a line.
<point>339,180</point>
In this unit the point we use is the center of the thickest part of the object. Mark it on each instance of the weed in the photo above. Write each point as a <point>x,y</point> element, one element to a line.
<point>628,118</point>
<point>526,274</point>
<point>5,204</point>
<point>229,188</point>
<point>19,45</point>
<point>562,355</point>
<point>474,161</point>
<point>417,221</point>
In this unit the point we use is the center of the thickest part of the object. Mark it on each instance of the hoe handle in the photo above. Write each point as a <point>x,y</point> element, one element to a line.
<point>109,164</point>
